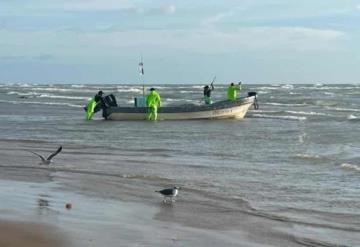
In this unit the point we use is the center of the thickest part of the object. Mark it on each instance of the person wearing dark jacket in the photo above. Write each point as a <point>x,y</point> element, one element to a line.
<point>207,94</point>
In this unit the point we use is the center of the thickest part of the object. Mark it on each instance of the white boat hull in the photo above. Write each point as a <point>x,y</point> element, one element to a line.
<point>220,110</point>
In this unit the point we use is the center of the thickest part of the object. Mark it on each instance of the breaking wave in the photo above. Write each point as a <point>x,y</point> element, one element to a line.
<point>297,118</point>
<point>342,109</point>
<point>307,113</point>
<point>62,97</point>
<point>352,117</point>
<point>40,103</point>
<point>283,104</point>
<point>350,166</point>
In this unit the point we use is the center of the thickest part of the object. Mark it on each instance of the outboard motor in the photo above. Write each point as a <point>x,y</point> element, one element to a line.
<point>256,105</point>
<point>110,100</point>
<point>105,102</point>
<point>252,94</point>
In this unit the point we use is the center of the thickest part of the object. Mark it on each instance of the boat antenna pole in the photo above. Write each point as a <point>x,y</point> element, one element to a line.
<point>141,65</point>
<point>212,82</point>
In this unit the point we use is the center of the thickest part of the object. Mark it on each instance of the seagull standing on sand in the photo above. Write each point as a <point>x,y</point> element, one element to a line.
<point>47,161</point>
<point>169,193</point>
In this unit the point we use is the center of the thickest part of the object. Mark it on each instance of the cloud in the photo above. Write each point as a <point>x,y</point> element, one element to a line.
<point>275,39</point>
<point>90,47</point>
<point>11,58</point>
<point>43,57</point>
<point>93,5</point>
<point>109,5</point>
<point>358,7</point>
<point>279,39</point>
<point>168,9</point>
<point>216,18</point>
<point>160,10</point>
<point>209,21</point>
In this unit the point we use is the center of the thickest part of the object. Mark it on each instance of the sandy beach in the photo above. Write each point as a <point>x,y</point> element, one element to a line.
<point>19,234</point>
<point>115,210</point>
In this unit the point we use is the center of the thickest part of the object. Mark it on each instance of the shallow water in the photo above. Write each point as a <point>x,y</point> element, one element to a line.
<point>295,160</point>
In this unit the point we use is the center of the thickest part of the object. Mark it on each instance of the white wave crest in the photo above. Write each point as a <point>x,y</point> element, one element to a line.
<point>189,92</point>
<point>308,156</point>
<point>40,103</point>
<point>350,166</point>
<point>283,104</point>
<point>22,93</point>
<point>56,89</point>
<point>310,113</point>
<point>268,88</point>
<point>279,117</point>
<point>129,90</point>
<point>197,87</point>
<point>352,117</point>
<point>52,96</point>
<point>287,86</point>
<point>342,109</point>
<point>263,111</point>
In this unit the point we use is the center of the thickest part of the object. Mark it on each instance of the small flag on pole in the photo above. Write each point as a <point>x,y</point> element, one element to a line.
<point>141,68</point>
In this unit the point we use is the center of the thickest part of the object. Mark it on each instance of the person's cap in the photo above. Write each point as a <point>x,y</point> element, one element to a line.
<point>152,89</point>
<point>232,84</point>
<point>100,92</point>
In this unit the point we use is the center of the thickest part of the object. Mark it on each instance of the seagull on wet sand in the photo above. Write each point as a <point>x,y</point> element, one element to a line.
<point>169,193</point>
<point>48,160</point>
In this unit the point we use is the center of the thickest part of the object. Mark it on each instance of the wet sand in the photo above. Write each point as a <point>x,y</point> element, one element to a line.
<point>20,234</point>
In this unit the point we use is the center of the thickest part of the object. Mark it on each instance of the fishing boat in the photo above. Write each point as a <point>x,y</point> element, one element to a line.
<point>218,110</point>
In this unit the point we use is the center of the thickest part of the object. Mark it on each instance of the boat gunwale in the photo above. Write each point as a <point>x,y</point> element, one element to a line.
<point>220,105</point>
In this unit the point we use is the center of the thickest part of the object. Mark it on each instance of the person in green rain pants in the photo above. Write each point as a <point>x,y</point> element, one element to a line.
<point>153,101</point>
<point>232,89</point>
<point>90,108</point>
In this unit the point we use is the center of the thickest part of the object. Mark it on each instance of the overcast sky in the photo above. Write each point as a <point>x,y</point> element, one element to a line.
<point>181,41</point>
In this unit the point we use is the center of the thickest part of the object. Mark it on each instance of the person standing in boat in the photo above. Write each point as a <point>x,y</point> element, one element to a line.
<point>207,94</point>
<point>153,101</point>
<point>232,91</point>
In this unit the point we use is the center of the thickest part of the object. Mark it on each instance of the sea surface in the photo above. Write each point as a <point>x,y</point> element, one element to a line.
<point>294,161</point>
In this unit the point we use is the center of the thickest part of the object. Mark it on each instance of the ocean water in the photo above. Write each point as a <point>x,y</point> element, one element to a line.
<point>294,161</point>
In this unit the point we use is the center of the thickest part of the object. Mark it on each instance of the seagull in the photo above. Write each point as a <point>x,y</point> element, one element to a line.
<point>169,193</point>
<point>47,161</point>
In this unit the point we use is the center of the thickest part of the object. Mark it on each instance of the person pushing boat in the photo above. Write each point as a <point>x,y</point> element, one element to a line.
<point>96,102</point>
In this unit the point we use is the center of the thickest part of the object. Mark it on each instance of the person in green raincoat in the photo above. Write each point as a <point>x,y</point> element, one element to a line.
<point>90,108</point>
<point>232,91</point>
<point>153,101</point>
